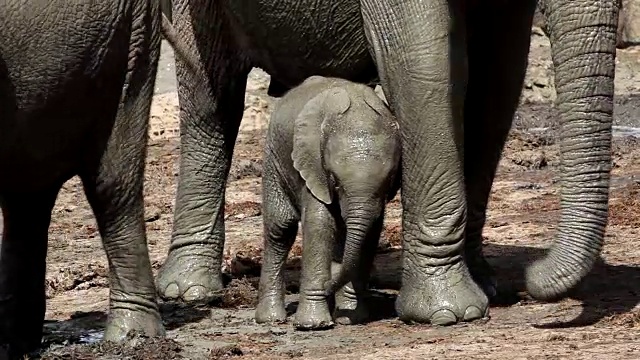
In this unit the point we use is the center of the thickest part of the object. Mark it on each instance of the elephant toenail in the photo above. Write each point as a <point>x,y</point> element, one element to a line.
<point>443,317</point>
<point>194,293</point>
<point>172,291</point>
<point>472,313</point>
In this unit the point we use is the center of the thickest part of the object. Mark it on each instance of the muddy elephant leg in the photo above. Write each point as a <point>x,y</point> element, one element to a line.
<point>318,236</point>
<point>211,106</point>
<point>351,307</point>
<point>115,195</point>
<point>420,49</point>
<point>280,229</point>
<point>497,66</point>
<point>23,253</point>
<point>113,185</point>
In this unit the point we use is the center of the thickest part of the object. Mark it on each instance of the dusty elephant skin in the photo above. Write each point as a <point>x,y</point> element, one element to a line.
<point>63,113</point>
<point>331,160</point>
<point>431,66</point>
<point>628,31</point>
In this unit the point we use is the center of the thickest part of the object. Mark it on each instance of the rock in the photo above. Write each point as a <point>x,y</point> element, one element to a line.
<point>278,331</point>
<point>629,24</point>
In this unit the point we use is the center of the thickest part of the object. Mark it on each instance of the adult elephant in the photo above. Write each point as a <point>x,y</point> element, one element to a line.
<point>452,72</point>
<point>76,85</point>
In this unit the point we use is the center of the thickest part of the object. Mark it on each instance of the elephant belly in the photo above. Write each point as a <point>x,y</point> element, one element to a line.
<point>50,144</point>
<point>294,39</point>
<point>59,90</point>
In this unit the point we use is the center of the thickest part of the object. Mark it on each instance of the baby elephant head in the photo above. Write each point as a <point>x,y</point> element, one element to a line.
<point>347,149</point>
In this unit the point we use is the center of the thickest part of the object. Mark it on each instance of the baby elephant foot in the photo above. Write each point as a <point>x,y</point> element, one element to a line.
<point>313,315</point>
<point>270,310</point>
<point>350,309</point>
<point>124,323</point>
<point>447,297</point>
<point>189,278</point>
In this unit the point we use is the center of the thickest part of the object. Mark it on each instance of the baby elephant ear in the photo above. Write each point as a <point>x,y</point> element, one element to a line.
<point>307,140</point>
<point>375,102</point>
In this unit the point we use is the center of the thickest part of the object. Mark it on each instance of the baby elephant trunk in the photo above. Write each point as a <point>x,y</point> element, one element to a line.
<point>359,220</point>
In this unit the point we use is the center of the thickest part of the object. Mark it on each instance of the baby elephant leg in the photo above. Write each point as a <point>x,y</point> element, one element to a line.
<point>280,229</point>
<point>351,307</point>
<point>318,234</point>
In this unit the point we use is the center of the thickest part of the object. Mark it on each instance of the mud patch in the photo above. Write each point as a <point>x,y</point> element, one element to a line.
<point>73,278</point>
<point>240,293</point>
<point>137,349</point>
<point>239,211</point>
<point>527,151</point>
<point>624,209</point>
<point>247,261</point>
<point>246,168</point>
<point>629,320</point>
<point>391,238</point>
<point>225,352</point>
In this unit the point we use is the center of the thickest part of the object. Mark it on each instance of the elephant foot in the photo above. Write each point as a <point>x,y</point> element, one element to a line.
<point>189,278</point>
<point>9,352</point>
<point>484,275</point>
<point>270,310</point>
<point>313,315</point>
<point>21,347</point>
<point>350,310</point>
<point>447,296</point>
<point>125,323</point>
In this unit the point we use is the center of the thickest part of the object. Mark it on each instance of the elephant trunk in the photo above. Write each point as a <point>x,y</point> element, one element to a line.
<point>583,45</point>
<point>359,220</point>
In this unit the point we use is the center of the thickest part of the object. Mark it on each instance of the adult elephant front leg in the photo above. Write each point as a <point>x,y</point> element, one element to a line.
<point>211,105</point>
<point>421,56</point>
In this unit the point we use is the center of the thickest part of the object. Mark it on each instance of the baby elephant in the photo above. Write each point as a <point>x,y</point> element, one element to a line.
<point>331,160</point>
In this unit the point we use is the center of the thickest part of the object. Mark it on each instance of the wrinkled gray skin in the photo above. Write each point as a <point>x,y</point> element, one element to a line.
<point>331,159</point>
<point>76,84</point>
<point>453,80</point>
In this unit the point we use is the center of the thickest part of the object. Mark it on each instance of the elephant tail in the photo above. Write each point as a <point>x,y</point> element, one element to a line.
<point>179,48</point>
<point>583,47</point>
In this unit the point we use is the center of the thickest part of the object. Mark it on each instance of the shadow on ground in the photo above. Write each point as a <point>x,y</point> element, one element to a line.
<point>607,291</point>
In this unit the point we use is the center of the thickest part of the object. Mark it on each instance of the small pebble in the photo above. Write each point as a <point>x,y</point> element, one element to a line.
<point>278,331</point>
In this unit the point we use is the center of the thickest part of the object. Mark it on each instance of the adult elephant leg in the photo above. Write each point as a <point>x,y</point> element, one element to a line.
<point>583,49</point>
<point>420,50</point>
<point>211,106</point>
<point>115,195</point>
<point>23,253</point>
<point>497,64</point>
<point>114,188</point>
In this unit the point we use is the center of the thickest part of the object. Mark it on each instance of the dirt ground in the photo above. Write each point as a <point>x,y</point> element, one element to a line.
<point>600,321</point>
